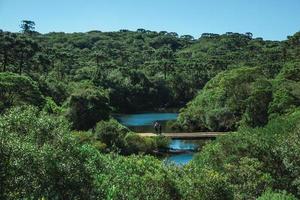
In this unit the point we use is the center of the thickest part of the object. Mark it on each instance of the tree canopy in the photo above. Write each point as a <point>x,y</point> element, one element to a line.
<point>58,93</point>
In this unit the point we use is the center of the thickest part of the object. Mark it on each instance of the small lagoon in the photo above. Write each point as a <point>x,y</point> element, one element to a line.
<point>143,123</point>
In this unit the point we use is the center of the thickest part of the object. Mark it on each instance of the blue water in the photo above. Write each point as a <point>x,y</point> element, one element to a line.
<point>180,159</point>
<point>145,118</point>
<point>183,145</point>
<point>144,123</point>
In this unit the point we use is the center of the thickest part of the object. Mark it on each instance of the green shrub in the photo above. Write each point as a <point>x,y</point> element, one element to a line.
<point>203,184</point>
<point>87,106</point>
<point>286,90</point>
<point>29,123</point>
<point>136,177</point>
<point>227,99</point>
<point>138,144</point>
<point>112,133</point>
<point>248,178</point>
<point>256,113</point>
<point>40,159</point>
<point>281,195</point>
<point>51,107</point>
<point>18,90</point>
<point>162,142</point>
<point>87,137</point>
<point>254,159</point>
<point>55,88</point>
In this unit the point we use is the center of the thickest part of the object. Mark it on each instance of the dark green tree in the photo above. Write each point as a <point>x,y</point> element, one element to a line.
<point>27,26</point>
<point>24,50</point>
<point>165,57</point>
<point>87,106</point>
<point>18,90</point>
<point>7,45</point>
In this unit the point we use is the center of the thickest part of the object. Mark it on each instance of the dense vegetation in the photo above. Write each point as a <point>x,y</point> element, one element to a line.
<point>243,95</point>
<point>140,70</point>
<point>58,91</point>
<point>41,158</point>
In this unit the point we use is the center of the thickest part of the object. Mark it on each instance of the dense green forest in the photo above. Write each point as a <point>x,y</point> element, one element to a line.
<point>58,92</point>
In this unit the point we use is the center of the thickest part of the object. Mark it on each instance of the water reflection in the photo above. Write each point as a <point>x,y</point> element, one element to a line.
<point>180,159</point>
<point>183,149</point>
<point>143,123</point>
<point>188,145</point>
<point>145,118</point>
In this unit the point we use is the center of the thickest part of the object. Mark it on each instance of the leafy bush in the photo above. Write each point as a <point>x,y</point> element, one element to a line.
<point>136,177</point>
<point>226,99</point>
<point>202,184</point>
<point>51,107</point>
<point>18,90</point>
<point>112,133</point>
<point>52,87</point>
<point>286,90</point>
<point>257,159</point>
<point>256,113</point>
<point>138,144</point>
<point>40,159</point>
<point>87,106</point>
<point>248,178</point>
<point>30,124</point>
<point>87,137</point>
<point>162,142</point>
<point>282,195</point>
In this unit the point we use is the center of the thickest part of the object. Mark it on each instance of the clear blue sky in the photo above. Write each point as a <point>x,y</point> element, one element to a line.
<point>270,19</point>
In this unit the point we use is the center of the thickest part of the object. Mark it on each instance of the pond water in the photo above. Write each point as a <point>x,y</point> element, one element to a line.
<point>143,123</point>
<point>188,146</point>
<point>180,159</point>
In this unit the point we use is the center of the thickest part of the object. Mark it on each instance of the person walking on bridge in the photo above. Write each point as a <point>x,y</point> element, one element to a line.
<point>156,127</point>
<point>159,128</point>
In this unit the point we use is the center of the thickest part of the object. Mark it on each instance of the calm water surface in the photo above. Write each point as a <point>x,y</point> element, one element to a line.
<point>180,159</point>
<point>144,122</point>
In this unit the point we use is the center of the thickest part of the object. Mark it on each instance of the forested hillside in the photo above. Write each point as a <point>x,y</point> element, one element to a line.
<point>58,92</point>
<point>140,70</point>
<point>243,96</point>
<point>259,86</point>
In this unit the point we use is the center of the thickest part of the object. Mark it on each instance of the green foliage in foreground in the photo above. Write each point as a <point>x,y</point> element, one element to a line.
<point>111,133</point>
<point>84,76</point>
<point>257,159</point>
<point>111,136</point>
<point>40,158</point>
<point>270,195</point>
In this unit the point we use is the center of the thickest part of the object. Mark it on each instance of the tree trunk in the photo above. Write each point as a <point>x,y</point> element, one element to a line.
<point>165,71</point>
<point>5,63</point>
<point>20,66</point>
<point>97,61</point>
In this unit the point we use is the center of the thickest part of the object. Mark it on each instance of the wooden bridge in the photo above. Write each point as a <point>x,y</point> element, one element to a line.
<point>187,136</point>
